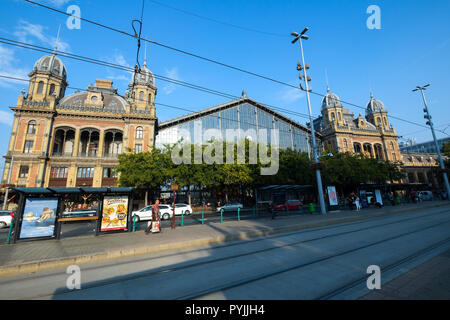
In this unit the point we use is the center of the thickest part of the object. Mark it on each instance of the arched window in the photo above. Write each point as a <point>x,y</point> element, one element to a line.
<point>340,116</point>
<point>31,127</point>
<point>385,122</point>
<point>333,117</point>
<point>149,98</point>
<point>139,132</point>
<point>40,87</point>
<point>51,90</point>
<point>345,145</point>
<point>141,96</point>
<point>379,122</point>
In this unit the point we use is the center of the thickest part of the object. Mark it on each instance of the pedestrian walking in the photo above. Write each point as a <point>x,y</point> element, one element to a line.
<point>271,210</point>
<point>357,203</point>
<point>155,224</point>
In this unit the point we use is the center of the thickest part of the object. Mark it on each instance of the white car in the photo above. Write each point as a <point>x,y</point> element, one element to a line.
<point>182,208</point>
<point>165,211</point>
<point>5,219</point>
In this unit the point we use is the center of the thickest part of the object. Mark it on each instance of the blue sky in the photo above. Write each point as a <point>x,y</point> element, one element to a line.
<point>411,48</point>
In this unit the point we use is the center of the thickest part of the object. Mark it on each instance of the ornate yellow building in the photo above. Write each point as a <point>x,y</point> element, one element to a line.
<point>342,131</point>
<point>74,140</point>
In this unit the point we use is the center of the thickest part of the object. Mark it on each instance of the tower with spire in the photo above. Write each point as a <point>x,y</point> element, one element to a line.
<point>142,89</point>
<point>48,80</point>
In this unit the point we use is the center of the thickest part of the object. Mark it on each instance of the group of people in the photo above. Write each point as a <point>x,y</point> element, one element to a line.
<point>354,201</point>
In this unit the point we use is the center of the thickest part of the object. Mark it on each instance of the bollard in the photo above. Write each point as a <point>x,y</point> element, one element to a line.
<point>312,208</point>
<point>134,223</point>
<point>182,219</point>
<point>203,216</point>
<point>221,216</point>
<point>239,214</point>
<point>10,231</point>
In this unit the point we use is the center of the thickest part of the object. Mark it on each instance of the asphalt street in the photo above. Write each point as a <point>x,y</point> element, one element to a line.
<point>322,263</point>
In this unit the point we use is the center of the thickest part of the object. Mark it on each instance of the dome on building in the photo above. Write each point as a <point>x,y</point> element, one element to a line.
<point>52,64</point>
<point>111,102</point>
<point>331,100</point>
<point>375,105</point>
<point>144,77</point>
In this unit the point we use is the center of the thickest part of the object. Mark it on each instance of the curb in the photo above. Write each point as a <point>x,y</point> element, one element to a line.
<point>37,266</point>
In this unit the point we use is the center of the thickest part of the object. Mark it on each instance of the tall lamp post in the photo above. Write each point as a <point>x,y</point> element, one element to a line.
<point>174,188</point>
<point>430,123</point>
<point>305,77</point>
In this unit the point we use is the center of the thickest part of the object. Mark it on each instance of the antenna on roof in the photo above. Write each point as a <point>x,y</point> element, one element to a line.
<point>145,54</point>
<point>57,40</point>
<point>326,77</point>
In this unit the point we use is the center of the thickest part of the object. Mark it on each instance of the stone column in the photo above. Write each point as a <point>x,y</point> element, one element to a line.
<point>101,143</point>
<point>76,144</point>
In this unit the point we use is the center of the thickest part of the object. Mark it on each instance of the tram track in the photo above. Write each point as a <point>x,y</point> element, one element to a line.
<point>101,283</point>
<point>245,281</point>
<point>352,284</point>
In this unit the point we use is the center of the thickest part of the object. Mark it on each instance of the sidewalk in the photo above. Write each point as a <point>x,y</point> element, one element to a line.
<point>25,257</point>
<point>428,281</point>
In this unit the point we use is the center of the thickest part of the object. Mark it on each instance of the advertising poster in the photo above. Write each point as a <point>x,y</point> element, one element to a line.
<point>39,218</point>
<point>378,196</point>
<point>114,214</point>
<point>332,196</point>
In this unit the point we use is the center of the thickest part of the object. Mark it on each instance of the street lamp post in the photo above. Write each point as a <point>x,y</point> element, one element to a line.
<point>174,188</point>
<point>430,123</point>
<point>300,37</point>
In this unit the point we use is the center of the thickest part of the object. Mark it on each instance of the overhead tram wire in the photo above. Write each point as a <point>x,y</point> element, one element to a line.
<point>210,60</point>
<point>218,21</point>
<point>129,69</point>
<point>165,105</point>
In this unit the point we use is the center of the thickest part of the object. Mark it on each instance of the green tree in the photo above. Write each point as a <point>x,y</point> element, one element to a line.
<point>145,170</point>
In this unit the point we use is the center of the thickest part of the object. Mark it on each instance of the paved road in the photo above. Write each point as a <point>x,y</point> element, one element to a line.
<point>322,263</point>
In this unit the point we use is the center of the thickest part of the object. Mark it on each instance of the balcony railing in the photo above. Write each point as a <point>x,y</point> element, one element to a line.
<point>62,154</point>
<point>88,154</point>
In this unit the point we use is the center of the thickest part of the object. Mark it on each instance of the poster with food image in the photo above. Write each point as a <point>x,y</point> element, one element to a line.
<point>332,196</point>
<point>39,218</point>
<point>114,213</point>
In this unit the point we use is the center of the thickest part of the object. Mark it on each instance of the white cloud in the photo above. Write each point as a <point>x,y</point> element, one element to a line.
<point>27,32</point>
<point>291,95</point>
<point>6,118</point>
<point>118,58</point>
<point>8,67</point>
<point>172,74</point>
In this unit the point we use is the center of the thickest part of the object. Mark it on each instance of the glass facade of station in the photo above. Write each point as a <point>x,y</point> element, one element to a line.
<point>253,122</point>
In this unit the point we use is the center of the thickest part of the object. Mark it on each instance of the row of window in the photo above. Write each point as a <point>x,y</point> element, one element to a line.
<point>40,88</point>
<point>83,172</point>
<point>61,172</point>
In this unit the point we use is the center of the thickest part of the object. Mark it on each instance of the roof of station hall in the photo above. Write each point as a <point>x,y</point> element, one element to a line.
<point>228,105</point>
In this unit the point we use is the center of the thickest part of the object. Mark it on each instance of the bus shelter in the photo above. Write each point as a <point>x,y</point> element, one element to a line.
<point>42,212</point>
<point>279,194</point>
